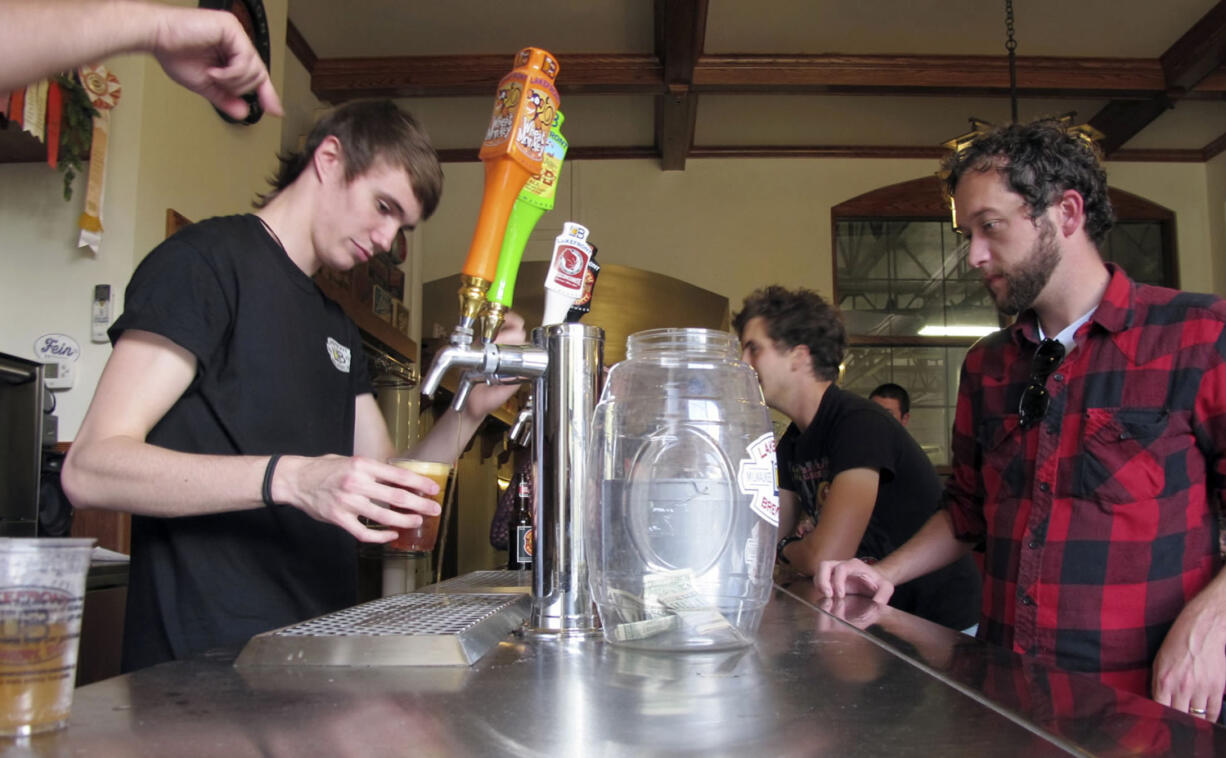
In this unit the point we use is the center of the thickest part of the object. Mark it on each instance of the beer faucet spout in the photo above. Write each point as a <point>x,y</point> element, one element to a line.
<point>452,356</point>
<point>489,364</point>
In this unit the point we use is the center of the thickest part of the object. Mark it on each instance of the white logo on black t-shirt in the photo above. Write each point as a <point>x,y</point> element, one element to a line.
<point>339,355</point>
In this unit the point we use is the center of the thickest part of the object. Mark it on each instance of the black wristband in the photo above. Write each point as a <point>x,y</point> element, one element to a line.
<point>779,556</point>
<point>266,490</point>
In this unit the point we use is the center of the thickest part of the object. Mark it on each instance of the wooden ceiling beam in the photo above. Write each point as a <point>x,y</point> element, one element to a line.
<point>956,74</point>
<point>339,79</point>
<point>675,116</point>
<point>1214,148</point>
<point>297,44</point>
<point>1121,120</point>
<point>680,28</point>
<point>889,152</point>
<point>1197,54</point>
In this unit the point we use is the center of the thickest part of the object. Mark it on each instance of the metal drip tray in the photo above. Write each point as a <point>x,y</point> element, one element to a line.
<point>416,629</point>
<point>494,582</point>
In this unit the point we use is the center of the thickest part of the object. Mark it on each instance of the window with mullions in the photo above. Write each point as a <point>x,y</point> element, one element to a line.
<point>906,278</point>
<point>907,293</point>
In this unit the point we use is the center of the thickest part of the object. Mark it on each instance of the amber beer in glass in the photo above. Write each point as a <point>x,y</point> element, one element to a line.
<point>42,595</point>
<point>421,539</point>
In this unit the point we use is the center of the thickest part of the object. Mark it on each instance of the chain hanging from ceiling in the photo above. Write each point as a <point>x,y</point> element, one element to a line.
<point>1011,47</point>
<point>979,127</point>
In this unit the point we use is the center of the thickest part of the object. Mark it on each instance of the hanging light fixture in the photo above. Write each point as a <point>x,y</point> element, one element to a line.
<point>979,127</point>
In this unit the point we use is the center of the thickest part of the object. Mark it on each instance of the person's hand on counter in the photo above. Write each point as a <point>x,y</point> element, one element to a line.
<point>859,612</point>
<point>837,579</point>
<point>1189,672</point>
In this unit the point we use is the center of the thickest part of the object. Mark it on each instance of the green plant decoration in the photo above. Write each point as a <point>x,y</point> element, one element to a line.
<point>77,129</point>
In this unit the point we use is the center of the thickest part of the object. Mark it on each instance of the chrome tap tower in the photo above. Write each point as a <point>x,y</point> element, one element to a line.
<point>565,362</point>
<point>565,397</point>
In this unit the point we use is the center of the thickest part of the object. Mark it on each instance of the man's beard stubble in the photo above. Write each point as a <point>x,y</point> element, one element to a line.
<point>1030,277</point>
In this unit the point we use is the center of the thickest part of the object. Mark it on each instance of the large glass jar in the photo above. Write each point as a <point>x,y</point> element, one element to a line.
<point>680,539</point>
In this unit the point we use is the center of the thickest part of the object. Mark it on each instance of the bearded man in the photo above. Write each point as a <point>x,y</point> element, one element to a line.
<point>1089,439</point>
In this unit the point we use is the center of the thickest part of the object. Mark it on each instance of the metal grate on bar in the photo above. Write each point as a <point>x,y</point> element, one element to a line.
<point>404,615</point>
<point>496,581</point>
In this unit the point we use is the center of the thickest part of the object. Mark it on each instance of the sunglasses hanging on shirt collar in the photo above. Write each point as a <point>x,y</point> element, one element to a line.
<point>1035,398</point>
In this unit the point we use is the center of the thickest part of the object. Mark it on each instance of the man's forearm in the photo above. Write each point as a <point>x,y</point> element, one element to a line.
<point>934,546</point>
<point>123,474</point>
<point>1206,612</point>
<point>43,37</point>
<point>447,438</point>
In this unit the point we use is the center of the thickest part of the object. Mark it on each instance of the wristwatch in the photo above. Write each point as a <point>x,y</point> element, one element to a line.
<point>779,556</point>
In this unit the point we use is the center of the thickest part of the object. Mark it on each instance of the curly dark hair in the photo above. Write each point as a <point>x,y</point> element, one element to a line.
<point>1039,161</point>
<point>796,318</point>
<point>369,130</point>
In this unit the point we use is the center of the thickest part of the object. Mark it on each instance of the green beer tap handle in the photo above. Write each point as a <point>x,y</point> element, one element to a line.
<point>533,201</point>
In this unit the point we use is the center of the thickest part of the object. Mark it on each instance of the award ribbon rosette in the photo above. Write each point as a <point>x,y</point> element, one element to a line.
<point>103,90</point>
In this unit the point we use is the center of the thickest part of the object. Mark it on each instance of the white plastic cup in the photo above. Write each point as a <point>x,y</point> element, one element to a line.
<point>42,595</point>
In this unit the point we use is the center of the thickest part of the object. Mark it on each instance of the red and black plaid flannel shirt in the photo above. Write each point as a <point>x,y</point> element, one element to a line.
<point>1098,523</point>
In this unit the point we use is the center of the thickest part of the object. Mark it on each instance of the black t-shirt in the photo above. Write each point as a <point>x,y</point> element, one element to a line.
<point>279,366</point>
<point>851,432</point>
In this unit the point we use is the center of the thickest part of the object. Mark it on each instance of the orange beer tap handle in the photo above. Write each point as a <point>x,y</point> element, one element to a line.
<point>504,178</point>
<point>512,151</point>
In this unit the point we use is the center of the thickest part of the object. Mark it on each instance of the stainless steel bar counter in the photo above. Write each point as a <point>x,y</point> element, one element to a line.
<point>815,684</point>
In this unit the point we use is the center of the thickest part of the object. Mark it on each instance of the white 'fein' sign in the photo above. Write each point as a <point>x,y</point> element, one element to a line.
<point>56,348</point>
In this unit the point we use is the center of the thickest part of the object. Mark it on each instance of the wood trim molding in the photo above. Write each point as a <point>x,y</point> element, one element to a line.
<point>968,75</point>
<point>917,198</point>
<point>340,79</point>
<point>1213,149</point>
<point>175,221</point>
<point>301,49</point>
<point>1158,156</point>
<point>337,80</point>
<point>1199,52</point>
<point>1130,207</point>
<point>469,155</point>
<point>819,151</point>
<point>888,152</point>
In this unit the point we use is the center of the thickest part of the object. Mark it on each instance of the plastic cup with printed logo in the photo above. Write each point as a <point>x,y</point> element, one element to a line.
<point>421,539</point>
<point>42,595</point>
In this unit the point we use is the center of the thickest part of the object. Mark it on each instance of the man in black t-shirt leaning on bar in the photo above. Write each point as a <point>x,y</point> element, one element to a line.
<point>845,464</point>
<point>235,418</point>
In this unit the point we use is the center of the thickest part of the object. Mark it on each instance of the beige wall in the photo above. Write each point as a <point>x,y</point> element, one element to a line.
<point>1215,182</point>
<point>301,105</point>
<point>1181,187</point>
<point>731,225</point>
<point>727,225</point>
<point>47,282</point>
<point>193,161</point>
<point>168,148</point>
